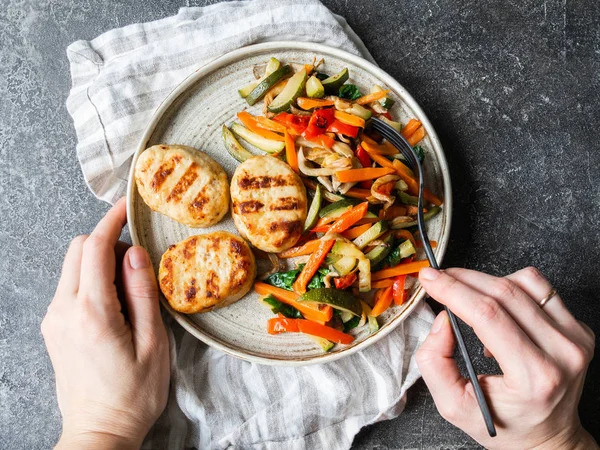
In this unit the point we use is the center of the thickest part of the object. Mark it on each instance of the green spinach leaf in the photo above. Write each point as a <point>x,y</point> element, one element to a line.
<point>349,91</point>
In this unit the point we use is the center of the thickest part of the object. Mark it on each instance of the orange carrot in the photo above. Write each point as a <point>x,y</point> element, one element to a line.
<point>302,250</point>
<point>384,148</point>
<point>323,140</point>
<point>311,103</point>
<point>391,212</point>
<point>400,269</point>
<point>269,124</point>
<point>358,193</point>
<point>399,293</point>
<point>290,152</point>
<point>416,136</point>
<point>375,156</point>
<point>311,311</point>
<point>312,265</point>
<point>382,283</point>
<point>413,185</point>
<point>355,232</point>
<point>346,220</point>
<point>432,243</point>
<point>412,210</point>
<point>252,125</point>
<point>405,234</point>
<point>384,300</point>
<point>370,220</point>
<point>277,325</point>
<point>372,97</point>
<point>369,173</point>
<point>410,128</point>
<point>401,166</point>
<point>350,119</point>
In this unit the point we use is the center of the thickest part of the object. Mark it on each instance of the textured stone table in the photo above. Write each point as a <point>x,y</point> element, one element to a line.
<point>512,88</point>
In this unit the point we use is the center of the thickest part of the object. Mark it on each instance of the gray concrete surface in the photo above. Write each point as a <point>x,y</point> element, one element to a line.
<point>511,86</point>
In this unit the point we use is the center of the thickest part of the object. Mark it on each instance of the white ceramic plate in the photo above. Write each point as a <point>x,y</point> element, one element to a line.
<point>193,115</point>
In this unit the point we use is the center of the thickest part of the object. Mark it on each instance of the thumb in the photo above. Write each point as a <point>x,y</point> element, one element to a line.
<point>438,368</point>
<point>141,296</point>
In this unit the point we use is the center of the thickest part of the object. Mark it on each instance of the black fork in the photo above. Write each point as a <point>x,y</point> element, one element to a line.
<point>398,141</point>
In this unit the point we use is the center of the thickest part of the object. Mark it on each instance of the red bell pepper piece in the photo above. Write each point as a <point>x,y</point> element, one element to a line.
<point>323,140</point>
<point>319,122</point>
<point>339,127</point>
<point>345,281</point>
<point>365,160</point>
<point>296,123</point>
<point>399,293</point>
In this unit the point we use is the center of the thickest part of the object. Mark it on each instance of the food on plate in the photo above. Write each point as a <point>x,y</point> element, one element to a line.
<point>358,245</point>
<point>206,271</point>
<point>183,183</point>
<point>268,203</point>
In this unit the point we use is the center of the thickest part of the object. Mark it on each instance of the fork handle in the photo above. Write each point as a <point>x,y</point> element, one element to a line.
<point>487,416</point>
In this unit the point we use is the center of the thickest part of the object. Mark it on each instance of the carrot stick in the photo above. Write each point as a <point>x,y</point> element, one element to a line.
<point>248,120</point>
<point>312,265</point>
<point>412,210</point>
<point>350,119</point>
<point>413,185</point>
<point>383,302</point>
<point>369,173</point>
<point>290,152</point>
<point>346,220</point>
<point>278,325</point>
<point>416,136</point>
<point>410,128</point>
<point>432,243</point>
<point>382,283</point>
<point>380,149</point>
<point>375,156</point>
<point>358,193</point>
<point>309,310</point>
<point>391,212</point>
<point>400,269</point>
<point>310,103</point>
<point>399,293</point>
<point>269,124</point>
<point>302,250</point>
<point>355,232</point>
<point>372,97</point>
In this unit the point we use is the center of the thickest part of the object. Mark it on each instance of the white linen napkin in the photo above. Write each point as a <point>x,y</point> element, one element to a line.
<point>218,401</point>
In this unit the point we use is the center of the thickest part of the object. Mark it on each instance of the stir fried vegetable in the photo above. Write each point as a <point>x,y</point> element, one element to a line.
<point>359,234</point>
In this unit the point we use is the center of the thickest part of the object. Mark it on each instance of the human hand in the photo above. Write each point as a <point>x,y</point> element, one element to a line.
<point>112,375</point>
<point>543,354</point>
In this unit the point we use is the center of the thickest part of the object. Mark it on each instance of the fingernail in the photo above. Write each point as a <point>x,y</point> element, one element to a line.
<point>437,323</point>
<point>138,258</point>
<point>429,274</point>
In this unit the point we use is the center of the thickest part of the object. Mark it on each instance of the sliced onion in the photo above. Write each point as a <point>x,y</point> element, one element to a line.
<point>326,181</point>
<point>299,112</point>
<point>306,143</point>
<point>327,278</point>
<point>345,187</point>
<point>259,70</point>
<point>378,108</point>
<point>388,200</point>
<point>276,266</point>
<point>343,138</point>
<point>341,104</point>
<point>343,149</point>
<point>311,171</point>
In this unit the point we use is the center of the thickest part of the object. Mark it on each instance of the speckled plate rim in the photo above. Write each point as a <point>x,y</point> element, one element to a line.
<point>389,82</point>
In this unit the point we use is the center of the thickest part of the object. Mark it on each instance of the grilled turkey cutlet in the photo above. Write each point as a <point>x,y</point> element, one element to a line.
<point>183,183</point>
<point>206,271</point>
<point>268,203</point>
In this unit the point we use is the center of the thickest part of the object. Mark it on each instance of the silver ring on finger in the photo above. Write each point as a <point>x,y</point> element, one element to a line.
<point>548,297</point>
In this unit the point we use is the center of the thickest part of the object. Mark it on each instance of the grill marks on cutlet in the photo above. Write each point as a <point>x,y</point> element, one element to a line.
<point>285,204</point>
<point>248,207</point>
<point>287,228</point>
<point>161,174</point>
<point>184,183</point>
<point>247,181</point>
<point>212,285</point>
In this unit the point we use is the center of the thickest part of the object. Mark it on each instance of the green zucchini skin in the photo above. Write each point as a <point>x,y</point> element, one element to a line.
<point>271,80</point>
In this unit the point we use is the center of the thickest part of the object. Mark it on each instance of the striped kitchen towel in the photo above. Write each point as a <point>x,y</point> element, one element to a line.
<point>218,401</point>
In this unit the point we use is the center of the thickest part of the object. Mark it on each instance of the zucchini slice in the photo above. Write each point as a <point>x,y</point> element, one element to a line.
<point>334,82</point>
<point>258,141</point>
<point>360,111</point>
<point>371,234</point>
<point>313,212</point>
<point>336,209</point>
<point>395,125</point>
<point>381,251</point>
<point>234,148</point>
<point>314,88</point>
<point>427,216</point>
<point>344,265</point>
<point>271,80</point>
<point>407,249</point>
<point>322,342</point>
<point>272,66</point>
<point>342,300</point>
<point>290,92</point>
